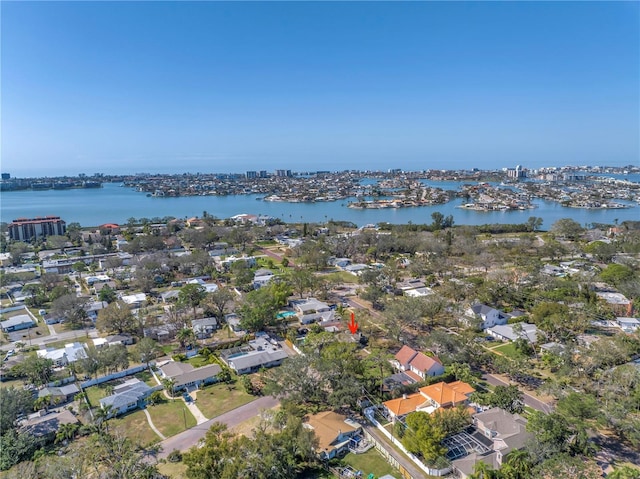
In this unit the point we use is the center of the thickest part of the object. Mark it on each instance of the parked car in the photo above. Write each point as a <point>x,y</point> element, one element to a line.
<point>187,397</point>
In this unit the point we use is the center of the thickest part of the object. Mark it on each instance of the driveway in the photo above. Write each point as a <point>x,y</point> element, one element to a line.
<point>191,437</point>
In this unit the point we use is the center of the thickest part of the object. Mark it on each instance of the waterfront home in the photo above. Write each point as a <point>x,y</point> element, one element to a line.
<point>261,352</point>
<point>127,396</point>
<point>17,323</point>
<point>185,376</point>
<point>335,433</point>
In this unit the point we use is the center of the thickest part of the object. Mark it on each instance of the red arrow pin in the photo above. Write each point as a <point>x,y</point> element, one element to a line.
<point>353,326</point>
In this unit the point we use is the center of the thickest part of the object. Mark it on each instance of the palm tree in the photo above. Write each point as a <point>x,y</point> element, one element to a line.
<point>482,470</point>
<point>168,384</point>
<point>187,337</point>
<point>67,432</point>
<point>518,465</point>
<point>100,417</point>
<point>42,402</point>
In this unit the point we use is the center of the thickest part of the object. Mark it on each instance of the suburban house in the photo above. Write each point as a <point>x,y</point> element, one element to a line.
<point>335,432</point>
<point>208,287</point>
<point>93,308</point>
<point>311,310</point>
<point>430,398</point>
<point>185,376</point>
<point>60,394</point>
<point>16,323</point>
<point>262,277</point>
<point>233,321</point>
<point>503,432</point>
<point>506,332</point>
<point>489,316</point>
<point>127,396</point>
<point>414,288</point>
<point>113,340</point>
<point>44,425</point>
<point>628,325</point>
<point>135,300</point>
<point>205,327</point>
<point>262,352</point>
<point>71,353</point>
<point>417,365</point>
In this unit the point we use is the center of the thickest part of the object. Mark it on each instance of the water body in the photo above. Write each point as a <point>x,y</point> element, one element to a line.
<point>116,204</point>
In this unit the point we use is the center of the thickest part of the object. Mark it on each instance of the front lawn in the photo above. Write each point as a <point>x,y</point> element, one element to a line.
<point>169,417</point>
<point>370,462</point>
<point>220,398</point>
<point>508,350</point>
<point>134,425</point>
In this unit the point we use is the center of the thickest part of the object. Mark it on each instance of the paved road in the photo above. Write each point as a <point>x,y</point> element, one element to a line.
<point>529,400</point>
<point>40,340</point>
<point>191,437</point>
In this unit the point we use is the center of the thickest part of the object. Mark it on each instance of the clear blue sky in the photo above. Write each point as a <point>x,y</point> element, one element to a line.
<point>213,86</point>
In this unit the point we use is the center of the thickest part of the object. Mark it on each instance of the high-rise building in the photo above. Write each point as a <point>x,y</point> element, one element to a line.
<point>6,176</point>
<point>283,173</point>
<point>24,229</point>
<point>252,174</point>
<point>264,174</point>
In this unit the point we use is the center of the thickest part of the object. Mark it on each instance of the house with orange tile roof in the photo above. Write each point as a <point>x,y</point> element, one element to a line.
<point>335,432</point>
<point>447,395</point>
<point>430,398</point>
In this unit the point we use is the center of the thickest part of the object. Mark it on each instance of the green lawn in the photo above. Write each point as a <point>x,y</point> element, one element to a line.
<point>220,398</point>
<point>507,349</point>
<point>135,426</point>
<point>169,417</point>
<point>343,277</point>
<point>97,392</point>
<point>146,377</point>
<point>370,462</point>
<point>16,383</point>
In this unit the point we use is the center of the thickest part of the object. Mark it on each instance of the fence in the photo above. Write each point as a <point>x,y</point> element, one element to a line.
<point>369,413</point>
<point>109,377</point>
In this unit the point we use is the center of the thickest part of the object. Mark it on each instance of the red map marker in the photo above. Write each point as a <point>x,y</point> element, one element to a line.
<point>353,326</point>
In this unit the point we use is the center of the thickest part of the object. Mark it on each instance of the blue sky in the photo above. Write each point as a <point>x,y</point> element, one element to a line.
<point>214,86</point>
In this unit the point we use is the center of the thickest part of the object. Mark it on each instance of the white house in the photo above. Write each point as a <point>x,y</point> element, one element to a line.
<point>490,316</point>
<point>311,310</point>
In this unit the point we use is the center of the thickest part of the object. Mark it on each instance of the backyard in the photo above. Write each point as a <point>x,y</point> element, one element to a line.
<point>371,462</point>
<point>220,398</point>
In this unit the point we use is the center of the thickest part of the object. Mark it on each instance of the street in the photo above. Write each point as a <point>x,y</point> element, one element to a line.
<point>191,437</point>
<point>529,400</point>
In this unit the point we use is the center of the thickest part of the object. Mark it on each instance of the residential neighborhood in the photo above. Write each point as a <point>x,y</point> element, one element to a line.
<point>444,353</point>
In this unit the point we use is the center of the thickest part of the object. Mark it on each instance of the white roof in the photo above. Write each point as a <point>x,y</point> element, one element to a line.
<point>134,298</point>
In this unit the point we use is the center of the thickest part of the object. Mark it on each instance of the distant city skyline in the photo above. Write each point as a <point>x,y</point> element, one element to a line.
<point>170,87</point>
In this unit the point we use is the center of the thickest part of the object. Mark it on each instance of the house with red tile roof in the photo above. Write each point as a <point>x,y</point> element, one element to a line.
<point>417,366</point>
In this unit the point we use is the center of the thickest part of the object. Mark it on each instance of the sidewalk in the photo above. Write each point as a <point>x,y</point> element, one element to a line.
<point>153,426</point>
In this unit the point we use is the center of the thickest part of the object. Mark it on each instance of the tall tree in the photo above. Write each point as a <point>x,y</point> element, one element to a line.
<point>117,317</point>
<point>192,295</point>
